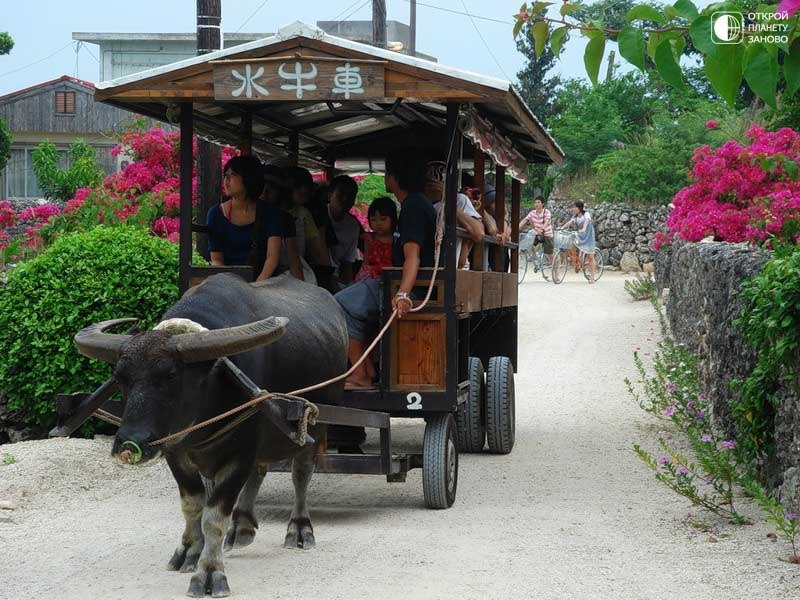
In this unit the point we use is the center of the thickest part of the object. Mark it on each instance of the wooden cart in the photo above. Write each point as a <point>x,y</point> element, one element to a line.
<point>329,103</point>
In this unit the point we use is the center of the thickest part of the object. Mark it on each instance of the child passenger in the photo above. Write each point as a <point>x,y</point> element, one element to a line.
<point>382,216</point>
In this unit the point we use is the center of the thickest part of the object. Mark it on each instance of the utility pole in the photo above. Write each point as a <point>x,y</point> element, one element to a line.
<point>379,23</point>
<point>412,26</point>
<point>209,156</point>
<point>611,65</point>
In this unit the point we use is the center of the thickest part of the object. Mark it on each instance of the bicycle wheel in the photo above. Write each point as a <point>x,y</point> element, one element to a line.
<point>598,265</point>
<point>522,268</point>
<point>543,263</point>
<point>560,264</point>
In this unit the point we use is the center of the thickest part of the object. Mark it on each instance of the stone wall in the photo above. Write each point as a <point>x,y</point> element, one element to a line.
<point>704,282</point>
<point>618,228</point>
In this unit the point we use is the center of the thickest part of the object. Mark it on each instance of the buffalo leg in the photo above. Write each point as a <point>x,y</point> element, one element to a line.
<point>244,524</point>
<point>221,495</point>
<point>192,492</point>
<point>300,533</point>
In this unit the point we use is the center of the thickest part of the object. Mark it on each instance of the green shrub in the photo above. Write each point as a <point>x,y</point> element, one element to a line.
<point>770,323</point>
<point>641,288</point>
<point>642,173</point>
<point>61,183</point>
<point>82,278</point>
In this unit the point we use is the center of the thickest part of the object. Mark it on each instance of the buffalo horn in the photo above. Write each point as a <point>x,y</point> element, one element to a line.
<point>93,342</point>
<point>216,343</point>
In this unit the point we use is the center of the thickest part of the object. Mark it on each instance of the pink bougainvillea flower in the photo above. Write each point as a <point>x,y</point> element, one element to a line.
<point>788,6</point>
<point>522,16</point>
<point>712,124</point>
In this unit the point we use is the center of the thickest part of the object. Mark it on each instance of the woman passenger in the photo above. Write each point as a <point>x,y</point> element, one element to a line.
<point>233,237</point>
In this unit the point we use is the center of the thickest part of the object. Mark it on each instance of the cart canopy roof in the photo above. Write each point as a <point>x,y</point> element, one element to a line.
<point>304,91</point>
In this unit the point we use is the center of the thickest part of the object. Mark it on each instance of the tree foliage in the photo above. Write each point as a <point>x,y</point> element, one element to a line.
<point>61,183</point>
<point>659,36</point>
<point>6,43</point>
<point>536,88</point>
<point>5,144</point>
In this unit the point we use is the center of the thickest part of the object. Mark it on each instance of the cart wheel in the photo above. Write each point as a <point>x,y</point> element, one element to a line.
<point>500,414</point>
<point>440,462</point>
<point>469,418</point>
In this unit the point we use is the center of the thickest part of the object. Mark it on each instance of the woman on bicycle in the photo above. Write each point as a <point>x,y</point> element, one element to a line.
<point>582,221</point>
<point>539,221</point>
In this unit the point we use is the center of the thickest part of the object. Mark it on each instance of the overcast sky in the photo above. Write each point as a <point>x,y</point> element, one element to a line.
<point>42,31</point>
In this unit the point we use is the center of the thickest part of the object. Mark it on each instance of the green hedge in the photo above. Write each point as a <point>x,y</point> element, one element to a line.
<point>82,278</point>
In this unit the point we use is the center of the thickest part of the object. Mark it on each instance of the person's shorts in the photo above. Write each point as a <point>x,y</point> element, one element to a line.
<point>547,242</point>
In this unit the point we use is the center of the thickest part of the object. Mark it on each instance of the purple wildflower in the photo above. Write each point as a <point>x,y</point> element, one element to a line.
<point>690,404</point>
<point>663,459</point>
<point>706,438</point>
<point>791,516</point>
<point>729,445</point>
<point>683,470</point>
<point>700,414</point>
<point>709,479</point>
<point>669,411</point>
<point>671,386</point>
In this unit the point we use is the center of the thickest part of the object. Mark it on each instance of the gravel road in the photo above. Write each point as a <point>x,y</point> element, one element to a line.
<point>571,513</point>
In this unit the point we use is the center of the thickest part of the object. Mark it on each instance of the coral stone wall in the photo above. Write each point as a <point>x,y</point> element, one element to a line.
<point>704,280</point>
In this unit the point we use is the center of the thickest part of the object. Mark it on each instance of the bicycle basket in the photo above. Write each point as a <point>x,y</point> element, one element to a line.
<point>526,241</point>
<point>563,239</point>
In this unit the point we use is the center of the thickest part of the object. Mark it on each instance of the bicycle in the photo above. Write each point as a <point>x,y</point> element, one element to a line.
<point>564,242</point>
<point>531,254</point>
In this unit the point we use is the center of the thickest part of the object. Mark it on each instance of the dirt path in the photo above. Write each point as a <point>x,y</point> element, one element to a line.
<point>571,513</point>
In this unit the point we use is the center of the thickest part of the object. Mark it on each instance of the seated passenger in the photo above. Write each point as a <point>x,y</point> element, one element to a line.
<point>309,241</point>
<point>345,229</point>
<point>413,248</point>
<point>466,216</point>
<point>502,231</point>
<point>276,194</point>
<point>240,232</point>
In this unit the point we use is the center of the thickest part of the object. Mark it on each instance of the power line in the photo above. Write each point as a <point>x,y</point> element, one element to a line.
<point>336,18</point>
<point>458,12</point>
<point>253,14</point>
<point>480,35</point>
<point>36,62</point>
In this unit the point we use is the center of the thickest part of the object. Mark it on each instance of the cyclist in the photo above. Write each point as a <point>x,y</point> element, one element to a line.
<point>540,222</point>
<point>582,221</point>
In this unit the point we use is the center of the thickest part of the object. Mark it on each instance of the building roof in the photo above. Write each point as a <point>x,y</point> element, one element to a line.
<point>412,104</point>
<point>87,86</point>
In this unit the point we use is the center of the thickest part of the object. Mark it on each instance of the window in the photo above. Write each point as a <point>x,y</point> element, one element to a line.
<point>65,103</point>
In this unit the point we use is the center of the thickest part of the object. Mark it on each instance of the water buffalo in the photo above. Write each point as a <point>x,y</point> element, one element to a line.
<point>170,381</point>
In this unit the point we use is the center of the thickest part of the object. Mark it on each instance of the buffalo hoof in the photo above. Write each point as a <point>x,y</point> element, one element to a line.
<point>213,582</point>
<point>242,531</point>
<point>300,534</point>
<point>184,559</point>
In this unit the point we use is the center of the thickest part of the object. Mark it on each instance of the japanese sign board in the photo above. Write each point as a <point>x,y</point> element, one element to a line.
<point>288,79</point>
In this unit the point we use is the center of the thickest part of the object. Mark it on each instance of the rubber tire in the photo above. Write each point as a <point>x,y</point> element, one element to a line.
<point>560,265</point>
<point>522,267</point>
<point>440,461</point>
<point>470,415</point>
<point>598,263</point>
<point>500,410</point>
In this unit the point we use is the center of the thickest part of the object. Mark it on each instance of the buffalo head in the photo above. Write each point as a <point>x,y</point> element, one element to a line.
<point>161,373</point>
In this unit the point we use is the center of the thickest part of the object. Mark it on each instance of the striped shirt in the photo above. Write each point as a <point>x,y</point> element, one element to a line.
<point>538,220</point>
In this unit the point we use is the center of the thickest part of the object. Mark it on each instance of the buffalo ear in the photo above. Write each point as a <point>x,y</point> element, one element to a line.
<point>93,342</point>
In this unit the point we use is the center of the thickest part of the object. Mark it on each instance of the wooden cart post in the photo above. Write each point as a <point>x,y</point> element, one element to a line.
<point>500,216</point>
<point>516,191</point>
<point>186,160</point>
<point>450,241</point>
